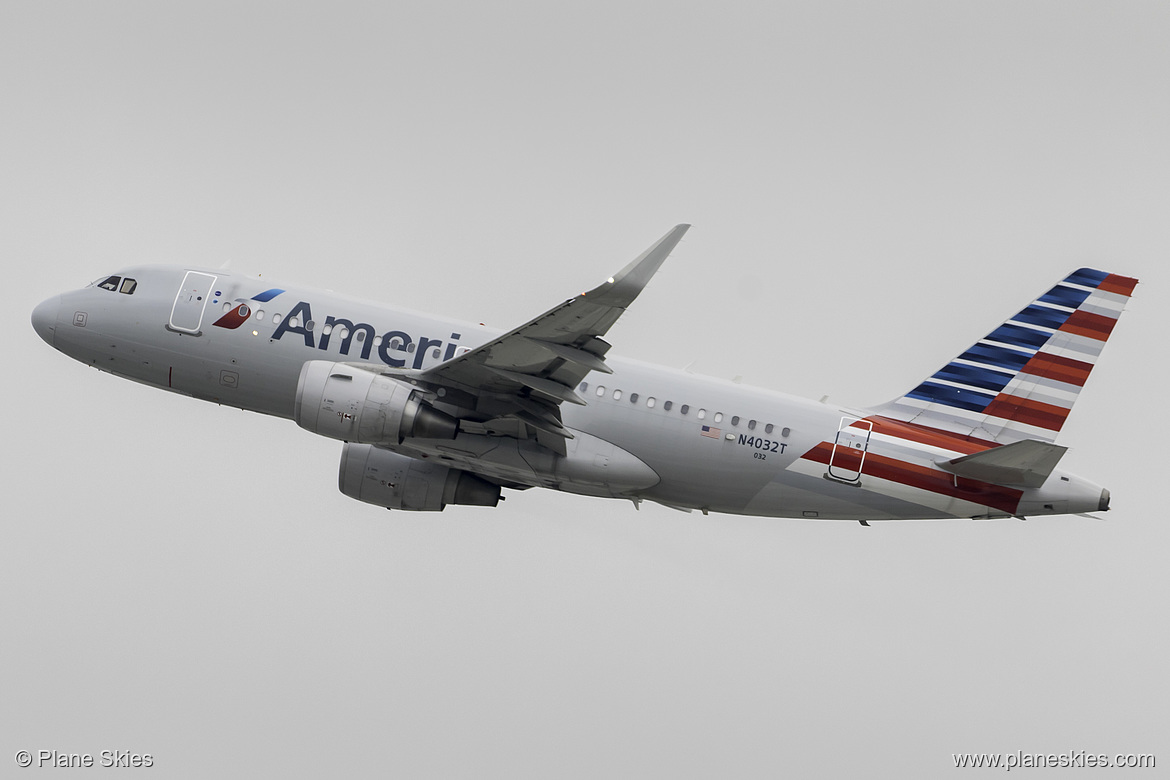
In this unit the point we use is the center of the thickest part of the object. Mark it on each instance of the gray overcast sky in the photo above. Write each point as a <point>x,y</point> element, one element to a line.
<point>873,187</point>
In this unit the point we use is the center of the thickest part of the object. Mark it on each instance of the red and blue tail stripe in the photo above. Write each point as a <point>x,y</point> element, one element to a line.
<point>1021,379</point>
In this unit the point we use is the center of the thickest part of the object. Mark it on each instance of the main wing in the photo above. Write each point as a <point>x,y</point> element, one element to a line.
<point>515,384</point>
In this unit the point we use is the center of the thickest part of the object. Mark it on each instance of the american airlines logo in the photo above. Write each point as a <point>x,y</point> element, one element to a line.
<point>236,317</point>
<point>395,347</point>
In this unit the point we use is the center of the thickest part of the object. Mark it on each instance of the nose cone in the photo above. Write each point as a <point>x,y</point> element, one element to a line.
<point>44,318</point>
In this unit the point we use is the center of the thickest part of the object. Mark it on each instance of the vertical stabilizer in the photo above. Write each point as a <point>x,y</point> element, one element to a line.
<point>1020,381</point>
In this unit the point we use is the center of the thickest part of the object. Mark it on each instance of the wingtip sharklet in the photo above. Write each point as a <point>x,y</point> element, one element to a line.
<point>627,283</point>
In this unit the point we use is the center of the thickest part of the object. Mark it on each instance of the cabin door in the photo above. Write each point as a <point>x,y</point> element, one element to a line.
<point>190,302</point>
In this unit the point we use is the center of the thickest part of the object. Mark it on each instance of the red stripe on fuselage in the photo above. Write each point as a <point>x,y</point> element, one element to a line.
<point>1062,369</point>
<point>929,479</point>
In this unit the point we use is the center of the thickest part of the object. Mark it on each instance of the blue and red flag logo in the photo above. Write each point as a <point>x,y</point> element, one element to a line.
<point>237,316</point>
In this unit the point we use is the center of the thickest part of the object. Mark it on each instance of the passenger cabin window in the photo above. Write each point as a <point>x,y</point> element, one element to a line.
<point>666,406</point>
<point>702,414</point>
<point>735,420</point>
<point>751,425</point>
<point>633,398</point>
<point>768,428</point>
<point>584,386</point>
<point>684,409</point>
<point>650,402</point>
<point>617,395</point>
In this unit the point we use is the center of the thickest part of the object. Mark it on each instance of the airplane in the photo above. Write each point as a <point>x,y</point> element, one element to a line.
<point>436,411</point>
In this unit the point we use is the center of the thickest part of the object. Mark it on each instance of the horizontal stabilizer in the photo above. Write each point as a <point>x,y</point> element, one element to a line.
<point>1025,463</point>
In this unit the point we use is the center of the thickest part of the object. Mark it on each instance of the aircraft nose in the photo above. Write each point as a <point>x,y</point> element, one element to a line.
<point>44,318</point>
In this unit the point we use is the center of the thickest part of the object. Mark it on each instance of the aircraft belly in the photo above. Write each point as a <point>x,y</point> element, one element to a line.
<point>808,495</point>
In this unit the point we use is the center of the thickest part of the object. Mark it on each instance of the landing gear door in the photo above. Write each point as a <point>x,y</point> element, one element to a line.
<point>190,301</point>
<point>848,458</point>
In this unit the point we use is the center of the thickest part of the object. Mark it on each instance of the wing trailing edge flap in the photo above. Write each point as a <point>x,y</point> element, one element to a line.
<point>593,361</point>
<point>540,384</point>
<point>1026,463</point>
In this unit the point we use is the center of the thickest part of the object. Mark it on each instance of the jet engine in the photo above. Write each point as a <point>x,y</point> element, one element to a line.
<point>385,478</point>
<point>352,404</point>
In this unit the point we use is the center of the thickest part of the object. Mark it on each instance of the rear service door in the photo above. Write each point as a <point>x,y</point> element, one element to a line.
<point>849,449</point>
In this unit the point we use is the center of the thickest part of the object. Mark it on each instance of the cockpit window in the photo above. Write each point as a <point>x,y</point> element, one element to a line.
<point>117,283</point>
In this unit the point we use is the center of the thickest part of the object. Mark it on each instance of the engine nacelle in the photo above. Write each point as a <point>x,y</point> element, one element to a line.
<point>385,478</point>
<point>349,403</point>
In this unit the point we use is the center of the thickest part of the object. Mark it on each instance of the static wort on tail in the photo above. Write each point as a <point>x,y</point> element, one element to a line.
<point>1020,381</point>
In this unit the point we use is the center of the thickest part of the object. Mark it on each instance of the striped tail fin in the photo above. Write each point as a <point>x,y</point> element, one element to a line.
<point>1020,381</point>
